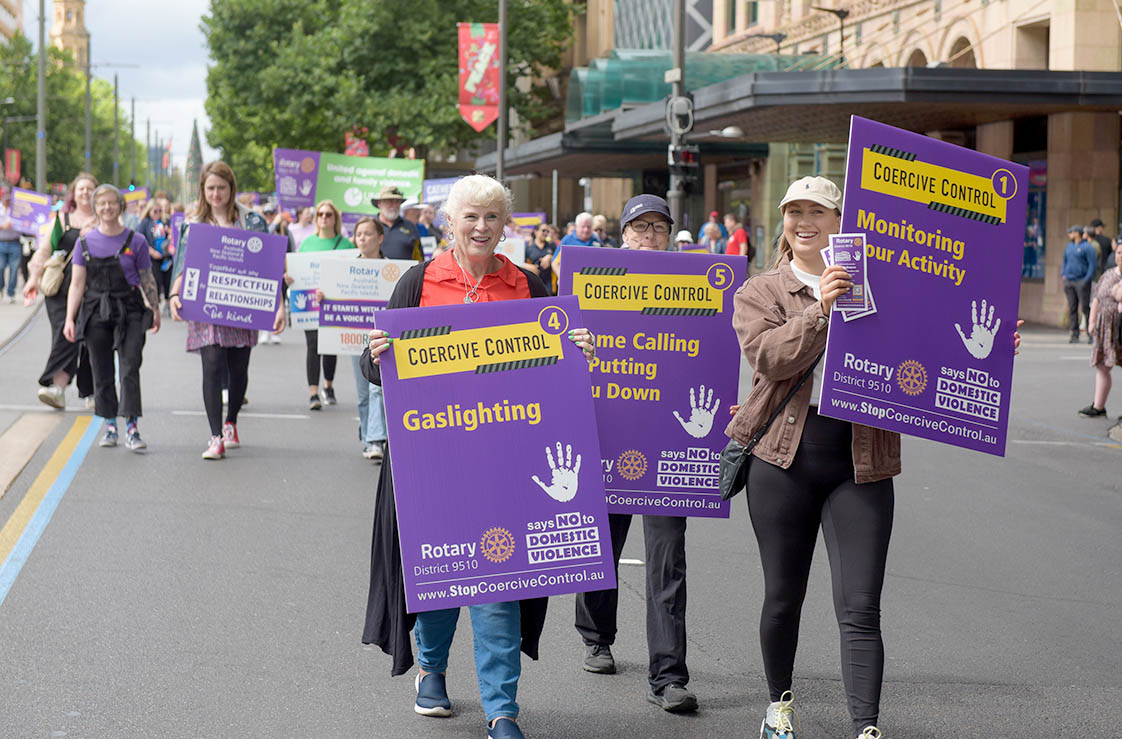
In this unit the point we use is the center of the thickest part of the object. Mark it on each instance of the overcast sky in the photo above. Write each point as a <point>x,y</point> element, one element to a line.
<point>163,41</point>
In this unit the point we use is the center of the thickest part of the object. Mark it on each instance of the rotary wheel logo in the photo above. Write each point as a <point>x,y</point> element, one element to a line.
<point>254,244</point>
<point>498,544</point>
<point>391,272</point>
<point>911,377</point>
<point>632,465</point>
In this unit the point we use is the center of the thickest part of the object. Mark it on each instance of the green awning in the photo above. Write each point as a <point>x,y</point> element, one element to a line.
<point>630,77</point>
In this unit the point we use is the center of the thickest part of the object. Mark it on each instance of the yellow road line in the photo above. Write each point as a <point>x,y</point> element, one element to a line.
<point>13,529</point>
<point>20,442</point>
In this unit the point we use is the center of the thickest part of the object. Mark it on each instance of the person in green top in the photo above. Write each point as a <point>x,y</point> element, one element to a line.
<point>328,237</point>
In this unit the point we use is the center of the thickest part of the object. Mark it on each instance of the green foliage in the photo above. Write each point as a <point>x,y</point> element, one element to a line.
<point>66,116</point>
<point>298,73</point>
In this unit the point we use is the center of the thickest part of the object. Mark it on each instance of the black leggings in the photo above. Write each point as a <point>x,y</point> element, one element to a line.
<point>787,507</point>
<point>217,362</point>
<point>312,360</point>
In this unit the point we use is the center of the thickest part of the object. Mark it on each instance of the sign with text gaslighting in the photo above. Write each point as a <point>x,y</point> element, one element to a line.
<point>944,231</point>
<point>304,269</point>
<point>31,212</point>
<point>353,291</point>
<point>304,178</point>
<point>667,366</point>
<point>479,527</point>
<point>232,277</point>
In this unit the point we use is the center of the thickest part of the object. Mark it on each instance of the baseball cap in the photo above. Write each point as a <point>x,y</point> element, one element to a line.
<point>1074,228</point>
<point>390,192</point>
<point>714,214</point>
<point>641,204</point>
<point>816,189</point>
<point>269,208</point>
<point>684,235</point>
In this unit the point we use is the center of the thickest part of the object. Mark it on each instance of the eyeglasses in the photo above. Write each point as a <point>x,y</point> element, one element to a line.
<point>659,227</point>
<point>325,214</point>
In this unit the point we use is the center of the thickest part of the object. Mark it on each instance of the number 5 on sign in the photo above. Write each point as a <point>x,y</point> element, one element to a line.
<point>719,275</point>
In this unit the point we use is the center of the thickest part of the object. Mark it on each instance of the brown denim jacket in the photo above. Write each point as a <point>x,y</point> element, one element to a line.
<point>782,330</point>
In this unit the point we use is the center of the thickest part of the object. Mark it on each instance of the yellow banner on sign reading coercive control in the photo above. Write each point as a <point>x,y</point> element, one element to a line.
<point>640,292</point>
<point>927,183</point>
<point>470,350</point>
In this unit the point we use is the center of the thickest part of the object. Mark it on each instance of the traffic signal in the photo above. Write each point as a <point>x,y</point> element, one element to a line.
<point>684,163</point>
<point>132,185</point>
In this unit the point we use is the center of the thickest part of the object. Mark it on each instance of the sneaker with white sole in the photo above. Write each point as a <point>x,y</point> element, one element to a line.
<point>53,395</point>
<point>780,718</point>
<point>109,438</point>
<point>216,450</point>
<point>314,403</point>
<point>230,436</point>
<point>373,450</point>
<point>134,443</point>
<point>432,695</point>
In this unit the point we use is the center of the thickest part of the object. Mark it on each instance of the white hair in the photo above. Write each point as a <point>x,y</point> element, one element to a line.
<point>477,189</point>
<point>582,217</point>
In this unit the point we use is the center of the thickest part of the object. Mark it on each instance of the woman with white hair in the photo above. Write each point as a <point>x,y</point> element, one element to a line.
<point>112,301</point>
<point>476,210</point>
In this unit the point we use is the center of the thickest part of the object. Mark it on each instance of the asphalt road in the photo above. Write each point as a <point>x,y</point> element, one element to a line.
<point>171,597</point>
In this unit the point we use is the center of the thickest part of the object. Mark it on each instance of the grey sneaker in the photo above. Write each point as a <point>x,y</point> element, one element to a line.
<point>599,659</point>
<point>674,698</point>
<point>53,395</point>
<point>134,443</point>
<point>109,438</point>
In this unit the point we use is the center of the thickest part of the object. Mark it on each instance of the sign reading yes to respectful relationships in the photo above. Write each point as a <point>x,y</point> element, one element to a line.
<point>232,277</point>
<point>495,455</point>
<point>353,291</point>
<point>944,230</point>
<point>666,370</point>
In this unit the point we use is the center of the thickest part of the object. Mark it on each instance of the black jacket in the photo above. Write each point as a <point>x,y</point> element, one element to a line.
<point>387,623</point>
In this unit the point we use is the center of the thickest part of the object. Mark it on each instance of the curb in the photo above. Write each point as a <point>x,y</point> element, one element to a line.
<point>11,338</point>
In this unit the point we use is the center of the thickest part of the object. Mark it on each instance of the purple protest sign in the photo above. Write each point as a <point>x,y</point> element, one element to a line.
<point>666,368</point>
<point>478,526</point>
<point>944,228</point>
<point>30,211</point>
<point>232,277</point>
<point>848,251</point>
<point>177,220</point>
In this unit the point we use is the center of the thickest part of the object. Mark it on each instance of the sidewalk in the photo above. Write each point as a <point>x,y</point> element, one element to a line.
<point>14,318</point>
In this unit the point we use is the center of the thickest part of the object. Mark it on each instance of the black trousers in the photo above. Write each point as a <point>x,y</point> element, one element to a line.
<point>219,363</point>
<point>788,507</point>
<point>163,280</point>
<point>1078,296</point>
<point>313,357</point>
<point>73,359</point>
<point>665,540</point>
<point>99,341</point>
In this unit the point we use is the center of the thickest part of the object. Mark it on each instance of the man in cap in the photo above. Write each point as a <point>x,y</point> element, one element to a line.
<point>1078,269</point>
<point>646,226</point>
<point>684,238</point>
<point>715,219</point>
<point>401,240</point>
<point>1106,248</point>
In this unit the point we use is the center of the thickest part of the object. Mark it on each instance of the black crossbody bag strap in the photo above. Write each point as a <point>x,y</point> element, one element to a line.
<point>779,409</point>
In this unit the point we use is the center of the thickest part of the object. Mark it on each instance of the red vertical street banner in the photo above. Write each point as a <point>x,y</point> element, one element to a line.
<point>12,165</point>
<point>479,73</point>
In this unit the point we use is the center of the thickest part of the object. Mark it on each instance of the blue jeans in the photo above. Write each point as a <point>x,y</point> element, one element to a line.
<point>371,409</point>
<point>10,254</point>
<point>497,630</point>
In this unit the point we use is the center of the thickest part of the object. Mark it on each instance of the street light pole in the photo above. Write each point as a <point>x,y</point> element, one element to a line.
<point>501,148</point>
<point>841,16</point>
<point>41,106</point>
<point>676,196</point>
<point>89,73</point>
<point>132,144</point>
<point>116,143</point>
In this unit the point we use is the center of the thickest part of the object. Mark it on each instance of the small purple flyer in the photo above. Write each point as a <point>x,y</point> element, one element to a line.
<point>848,251</point>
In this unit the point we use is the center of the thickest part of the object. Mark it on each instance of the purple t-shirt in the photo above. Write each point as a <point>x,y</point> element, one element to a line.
<point>133,259</point>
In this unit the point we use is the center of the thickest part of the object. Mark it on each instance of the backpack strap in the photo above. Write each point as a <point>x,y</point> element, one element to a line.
<point>335,244</point>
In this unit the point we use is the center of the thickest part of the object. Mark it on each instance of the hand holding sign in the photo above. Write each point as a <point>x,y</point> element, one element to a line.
<point>563,486</point>
<point>980,343</point>
<point>701,416</point>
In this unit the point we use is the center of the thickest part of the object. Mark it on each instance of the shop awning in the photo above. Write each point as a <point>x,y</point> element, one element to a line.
<point>814,107</point>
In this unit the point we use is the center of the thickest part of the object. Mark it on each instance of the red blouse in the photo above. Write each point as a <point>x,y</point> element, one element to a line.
<point>446,284</point>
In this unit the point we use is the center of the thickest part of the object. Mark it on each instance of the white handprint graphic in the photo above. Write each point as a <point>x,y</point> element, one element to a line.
<point>305,187</point>
<point>702,411</point>
<point>563,486</point>
<point>980,343</point>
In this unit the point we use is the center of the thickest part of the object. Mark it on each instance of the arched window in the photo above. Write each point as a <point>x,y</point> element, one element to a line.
<point>962,54</point>
<point>917,59</point>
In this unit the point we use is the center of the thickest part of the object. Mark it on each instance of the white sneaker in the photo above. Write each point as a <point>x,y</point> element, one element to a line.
<point>778,723</point>
<point>53,395</point>
<point>373,451</point>
<point>10,300</point>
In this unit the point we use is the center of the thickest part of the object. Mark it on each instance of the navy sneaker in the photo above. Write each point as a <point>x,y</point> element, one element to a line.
<point>432,696</point>
<point>504,728</point>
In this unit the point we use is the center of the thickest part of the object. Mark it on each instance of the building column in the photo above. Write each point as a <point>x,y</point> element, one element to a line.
<point>1083,181</point>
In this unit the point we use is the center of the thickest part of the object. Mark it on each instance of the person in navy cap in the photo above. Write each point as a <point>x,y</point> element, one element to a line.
<point>646,225</point>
